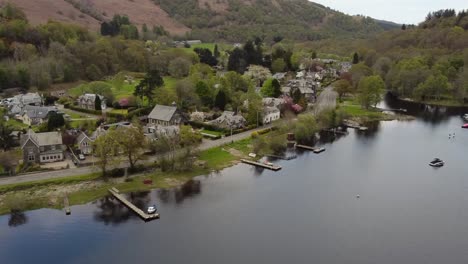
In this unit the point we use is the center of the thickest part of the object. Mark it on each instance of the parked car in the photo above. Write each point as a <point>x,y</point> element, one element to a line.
<point>81,157</point>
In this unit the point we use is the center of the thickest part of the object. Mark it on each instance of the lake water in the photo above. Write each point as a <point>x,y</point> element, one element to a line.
<point>308,212</point>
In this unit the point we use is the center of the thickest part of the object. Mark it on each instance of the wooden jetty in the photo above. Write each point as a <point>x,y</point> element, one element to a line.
<point>136,210</point>
<point>262,165</point>
<point>291,157</point>
<point>66,205</point>
<point>313,149</point>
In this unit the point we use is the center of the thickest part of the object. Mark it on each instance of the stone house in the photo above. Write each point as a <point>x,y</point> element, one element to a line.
<point>42,147</point>
<point>36,115</point>
<point>166,116</point>
<point>229,120</point>
<point>87,101</point>
<point>85,144</point>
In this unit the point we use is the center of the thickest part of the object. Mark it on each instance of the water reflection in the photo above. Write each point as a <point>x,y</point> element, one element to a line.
<point>189,189</point>
<point>111,211</point>
<point>371,131</point>
<point>429,113</point>
<point>17,218</point>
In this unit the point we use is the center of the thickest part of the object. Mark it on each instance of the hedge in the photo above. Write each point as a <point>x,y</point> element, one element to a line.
<point>139,112</point>
<point>196,124</point>
<point>79,109</point>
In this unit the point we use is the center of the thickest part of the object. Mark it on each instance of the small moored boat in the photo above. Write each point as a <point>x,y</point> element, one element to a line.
<point>436,163</point>
<point>151,209</point>
<point>465,126</point>
<point>318,150</point>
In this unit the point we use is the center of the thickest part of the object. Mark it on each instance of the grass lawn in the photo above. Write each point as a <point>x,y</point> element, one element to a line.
<point>244,146</point>
<point>119,111</point>
<point>352,108</point>
<point>217,158</point>
<point>124,91</point>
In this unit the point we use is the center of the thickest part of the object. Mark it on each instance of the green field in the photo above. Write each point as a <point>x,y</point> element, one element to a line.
<point>118,91</point>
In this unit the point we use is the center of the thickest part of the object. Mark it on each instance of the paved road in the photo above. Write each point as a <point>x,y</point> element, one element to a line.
<point>326,100</point>
<point>207,144</point>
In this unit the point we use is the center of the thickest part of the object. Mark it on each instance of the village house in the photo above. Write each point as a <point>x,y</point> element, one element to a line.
<point>42,147</point>
<point>85,144</point>
<point>16,104</point>
<point>165,116</point>
<point>88,101</point>
<point>270,114</point>
<point>156,132</point>
<point>36,115</point>
<point>229,120</point>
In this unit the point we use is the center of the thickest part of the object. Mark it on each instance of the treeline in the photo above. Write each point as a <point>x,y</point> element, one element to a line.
<point>55,52</point>
<point>447,17</point>
<point>422,63</point>
<point>296,20</point>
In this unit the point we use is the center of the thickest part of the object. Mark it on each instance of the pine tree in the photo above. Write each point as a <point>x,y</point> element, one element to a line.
<point>216,51</point>
<point>97,103</point>
<point>220,100</point>
<point>355,58</point>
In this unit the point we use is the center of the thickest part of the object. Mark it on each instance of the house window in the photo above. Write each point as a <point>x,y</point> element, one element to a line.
<point>31,157</point>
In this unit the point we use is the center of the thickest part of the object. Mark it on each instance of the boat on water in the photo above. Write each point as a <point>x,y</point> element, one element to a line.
<point>318,150</point>
<point>151,209</point>
<point>465,126</point>
<point>436,163</point>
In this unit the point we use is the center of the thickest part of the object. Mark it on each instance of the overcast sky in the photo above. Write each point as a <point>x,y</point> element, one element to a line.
<point>399,11</point>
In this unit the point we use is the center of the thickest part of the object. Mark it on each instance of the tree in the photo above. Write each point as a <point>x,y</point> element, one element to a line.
<point>305,129</point>
<point>237,61</point>
<point>342,87</point>
<point>9,161</point>
<point>189,141</point>
<point>6,139</point>
<point>371,90</point>
<point>434,87</point>
<point>220,100</point>
<point>132,141</point>
<point>206,56</point>
<point>403,27</point>
<point>186,96</point>
<point>314,55</point>
<point>355,58</point>
<point>258,73</point>
<point>55,121</point>
<point>97,103</point>
<point>278,65</point>
<point>93,72</point>
<point>359,71</point>
<point>179,67</point>
<point>105,148</point>
<point>204,93</point>
<point>147,86</point>
<point>271,88</point>
<point>216,52</point>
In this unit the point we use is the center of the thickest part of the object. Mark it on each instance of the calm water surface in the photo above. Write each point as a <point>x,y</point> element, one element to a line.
<point>306,213</point>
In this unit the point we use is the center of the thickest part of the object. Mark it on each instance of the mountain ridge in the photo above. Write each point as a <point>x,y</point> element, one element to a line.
<point>229,20</point>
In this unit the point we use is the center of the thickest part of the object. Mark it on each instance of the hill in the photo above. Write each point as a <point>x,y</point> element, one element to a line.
<point>229,20</point>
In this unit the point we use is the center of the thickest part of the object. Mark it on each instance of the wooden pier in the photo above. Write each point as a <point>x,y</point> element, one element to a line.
<point>262,165</point>
<point>291,157</point>
<point>136,210</point>
<point>313,149</point>
<point>66,205</point>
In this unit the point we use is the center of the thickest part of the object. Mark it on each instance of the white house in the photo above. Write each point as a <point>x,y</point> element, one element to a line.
<point>270,114</point>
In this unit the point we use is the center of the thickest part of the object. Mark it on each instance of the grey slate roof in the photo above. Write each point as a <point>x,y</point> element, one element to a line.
<point>42,139</point>
<point>163,112</point>
<point>37,111</point>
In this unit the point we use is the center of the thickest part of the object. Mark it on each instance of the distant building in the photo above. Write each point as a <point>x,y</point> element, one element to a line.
<point>156,132</point>
<point>36,115</point>
<point>88,101</point>
<point>42,147</point>
<point>165,116</point>
<point>279,76</point>
<point>85,144</point>
<point>270,114</point>
<point>228,120</point>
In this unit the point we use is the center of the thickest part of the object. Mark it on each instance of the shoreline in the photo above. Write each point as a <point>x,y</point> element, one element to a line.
<point>87,188</point>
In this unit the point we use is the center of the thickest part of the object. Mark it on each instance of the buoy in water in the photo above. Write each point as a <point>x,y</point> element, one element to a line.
<point>358,196</point>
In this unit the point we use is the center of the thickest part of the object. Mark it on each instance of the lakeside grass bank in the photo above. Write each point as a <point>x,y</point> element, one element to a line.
<point>87,188</point>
